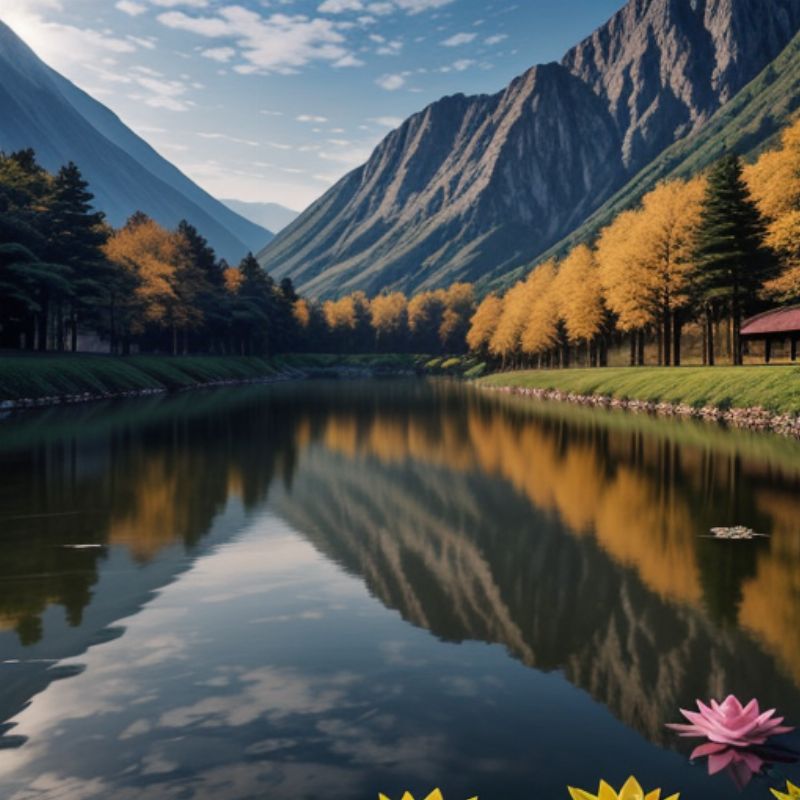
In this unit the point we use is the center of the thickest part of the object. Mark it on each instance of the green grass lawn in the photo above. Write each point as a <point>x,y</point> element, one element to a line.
<point>773,388</point>
<point>35,377</point>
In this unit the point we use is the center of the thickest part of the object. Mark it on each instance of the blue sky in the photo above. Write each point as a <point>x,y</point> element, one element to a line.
<point>274,100</point>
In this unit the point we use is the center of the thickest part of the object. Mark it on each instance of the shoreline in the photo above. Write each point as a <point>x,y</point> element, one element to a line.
<point>756,418</point>
<point>29,381</point>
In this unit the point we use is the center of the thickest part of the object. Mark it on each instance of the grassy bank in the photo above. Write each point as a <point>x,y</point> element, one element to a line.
<point>50,378</point>
<point>776,389</point>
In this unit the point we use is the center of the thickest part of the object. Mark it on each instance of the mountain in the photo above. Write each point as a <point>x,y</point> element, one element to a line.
<point>272,216</point>
<point>41,109</point>
<point>473,185</point>
<point>748,124</point>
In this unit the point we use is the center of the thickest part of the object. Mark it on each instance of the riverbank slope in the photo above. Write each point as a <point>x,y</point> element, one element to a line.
<point>764,398</point>
<point>33,380</point>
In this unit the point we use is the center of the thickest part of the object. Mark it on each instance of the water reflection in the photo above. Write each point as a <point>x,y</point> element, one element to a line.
<point>570,537</point>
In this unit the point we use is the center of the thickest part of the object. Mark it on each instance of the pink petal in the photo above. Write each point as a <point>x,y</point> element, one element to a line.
<point>708,749</point>
<point>718,762</point>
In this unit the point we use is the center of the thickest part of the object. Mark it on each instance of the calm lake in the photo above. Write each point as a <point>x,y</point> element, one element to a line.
<point>326,590</point>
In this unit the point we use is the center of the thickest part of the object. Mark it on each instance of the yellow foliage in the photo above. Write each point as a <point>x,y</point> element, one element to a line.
<point>154,256</point>
<point>774,182</point>
<point>233,280</point>
<point>340,314</point>
<point>301,311</point>
<point>541,327</point>
<point>623,274</point>
<point>506,339</point>
<point>389,313</point>
<point>423,309</point>
<point>578,295</point>
<point>484,322</point>
<point>646,257</point>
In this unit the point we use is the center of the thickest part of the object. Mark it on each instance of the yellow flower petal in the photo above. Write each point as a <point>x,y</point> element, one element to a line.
<point>676,796</point>
<point>632,790</point>
<point>607,793</point>
<point>435,795</point>
<point>579,794</point>
<point>781,795</point>
<point>794,791</point>
<point>654,795</point>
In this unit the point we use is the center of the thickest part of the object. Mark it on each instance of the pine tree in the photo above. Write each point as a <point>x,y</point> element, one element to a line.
<point>732,259</point>
<point>255,307</point>
<point>76,237</point>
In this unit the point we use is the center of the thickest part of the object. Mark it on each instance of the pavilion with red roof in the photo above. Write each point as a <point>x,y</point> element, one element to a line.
<point>775,326</point>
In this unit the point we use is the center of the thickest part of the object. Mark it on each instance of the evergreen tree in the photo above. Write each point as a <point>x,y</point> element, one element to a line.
<point>732,259</point>
<point>76,237</point>
<point>253,307</point>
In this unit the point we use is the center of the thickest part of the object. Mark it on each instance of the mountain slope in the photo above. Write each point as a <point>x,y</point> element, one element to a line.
<point>41,109</point>
<point>747,125</point>
<point>272,216</point>
<point>473,185</point>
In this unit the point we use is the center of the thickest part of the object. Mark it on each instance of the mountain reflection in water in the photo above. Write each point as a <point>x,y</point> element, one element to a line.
<point>571,537</point>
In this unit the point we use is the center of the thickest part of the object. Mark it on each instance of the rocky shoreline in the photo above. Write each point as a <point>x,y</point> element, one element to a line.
<point>753,419</point>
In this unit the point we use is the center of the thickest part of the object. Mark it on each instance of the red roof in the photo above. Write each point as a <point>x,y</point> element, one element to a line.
<point>782,320</point>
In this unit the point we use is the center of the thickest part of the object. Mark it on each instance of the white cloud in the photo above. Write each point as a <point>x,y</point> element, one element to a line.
<point>459,39</point>
<point>278,43</point>
<point>130,7</point>
<point>418,6</point>
<point>496,39</point>
<point>162,93</point>
<point>387,122</point>
<point>348,61</point>
<point>310,118</point>
<point>459,66</point>
<point>221,54</point>
<point>351,158</point>
<point>176,3</point>
<point>225,138</point>
<point>340,6</point>
<point>391,82</point>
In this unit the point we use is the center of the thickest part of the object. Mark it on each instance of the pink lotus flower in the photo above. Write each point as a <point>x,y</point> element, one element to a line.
<point>728,723</point>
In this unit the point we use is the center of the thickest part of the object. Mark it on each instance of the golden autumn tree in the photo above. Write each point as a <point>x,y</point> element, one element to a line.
<point>579,298</point>
<point>506,339</point>
<point>484,323</point>
<point>624,277</point>
<point>540,335</point>
<point>347,321</point>
<point>301,312</point>
<point>459,305</point>
<point>425,314</point>
<point>774,182</point>
<point>156,259</point>
<point>671,217</point>
<point>389,319</point>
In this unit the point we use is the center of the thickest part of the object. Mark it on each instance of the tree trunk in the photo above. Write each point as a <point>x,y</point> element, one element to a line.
<point>737,338</point>
<point>677,326</point>
<point>667,338</point>
<point>633,349</point>
<point>640,358</point>
<point>42,318</point>
<point>710,338</point>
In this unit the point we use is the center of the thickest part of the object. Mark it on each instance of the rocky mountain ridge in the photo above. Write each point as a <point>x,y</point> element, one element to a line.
<point>472,185</point>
